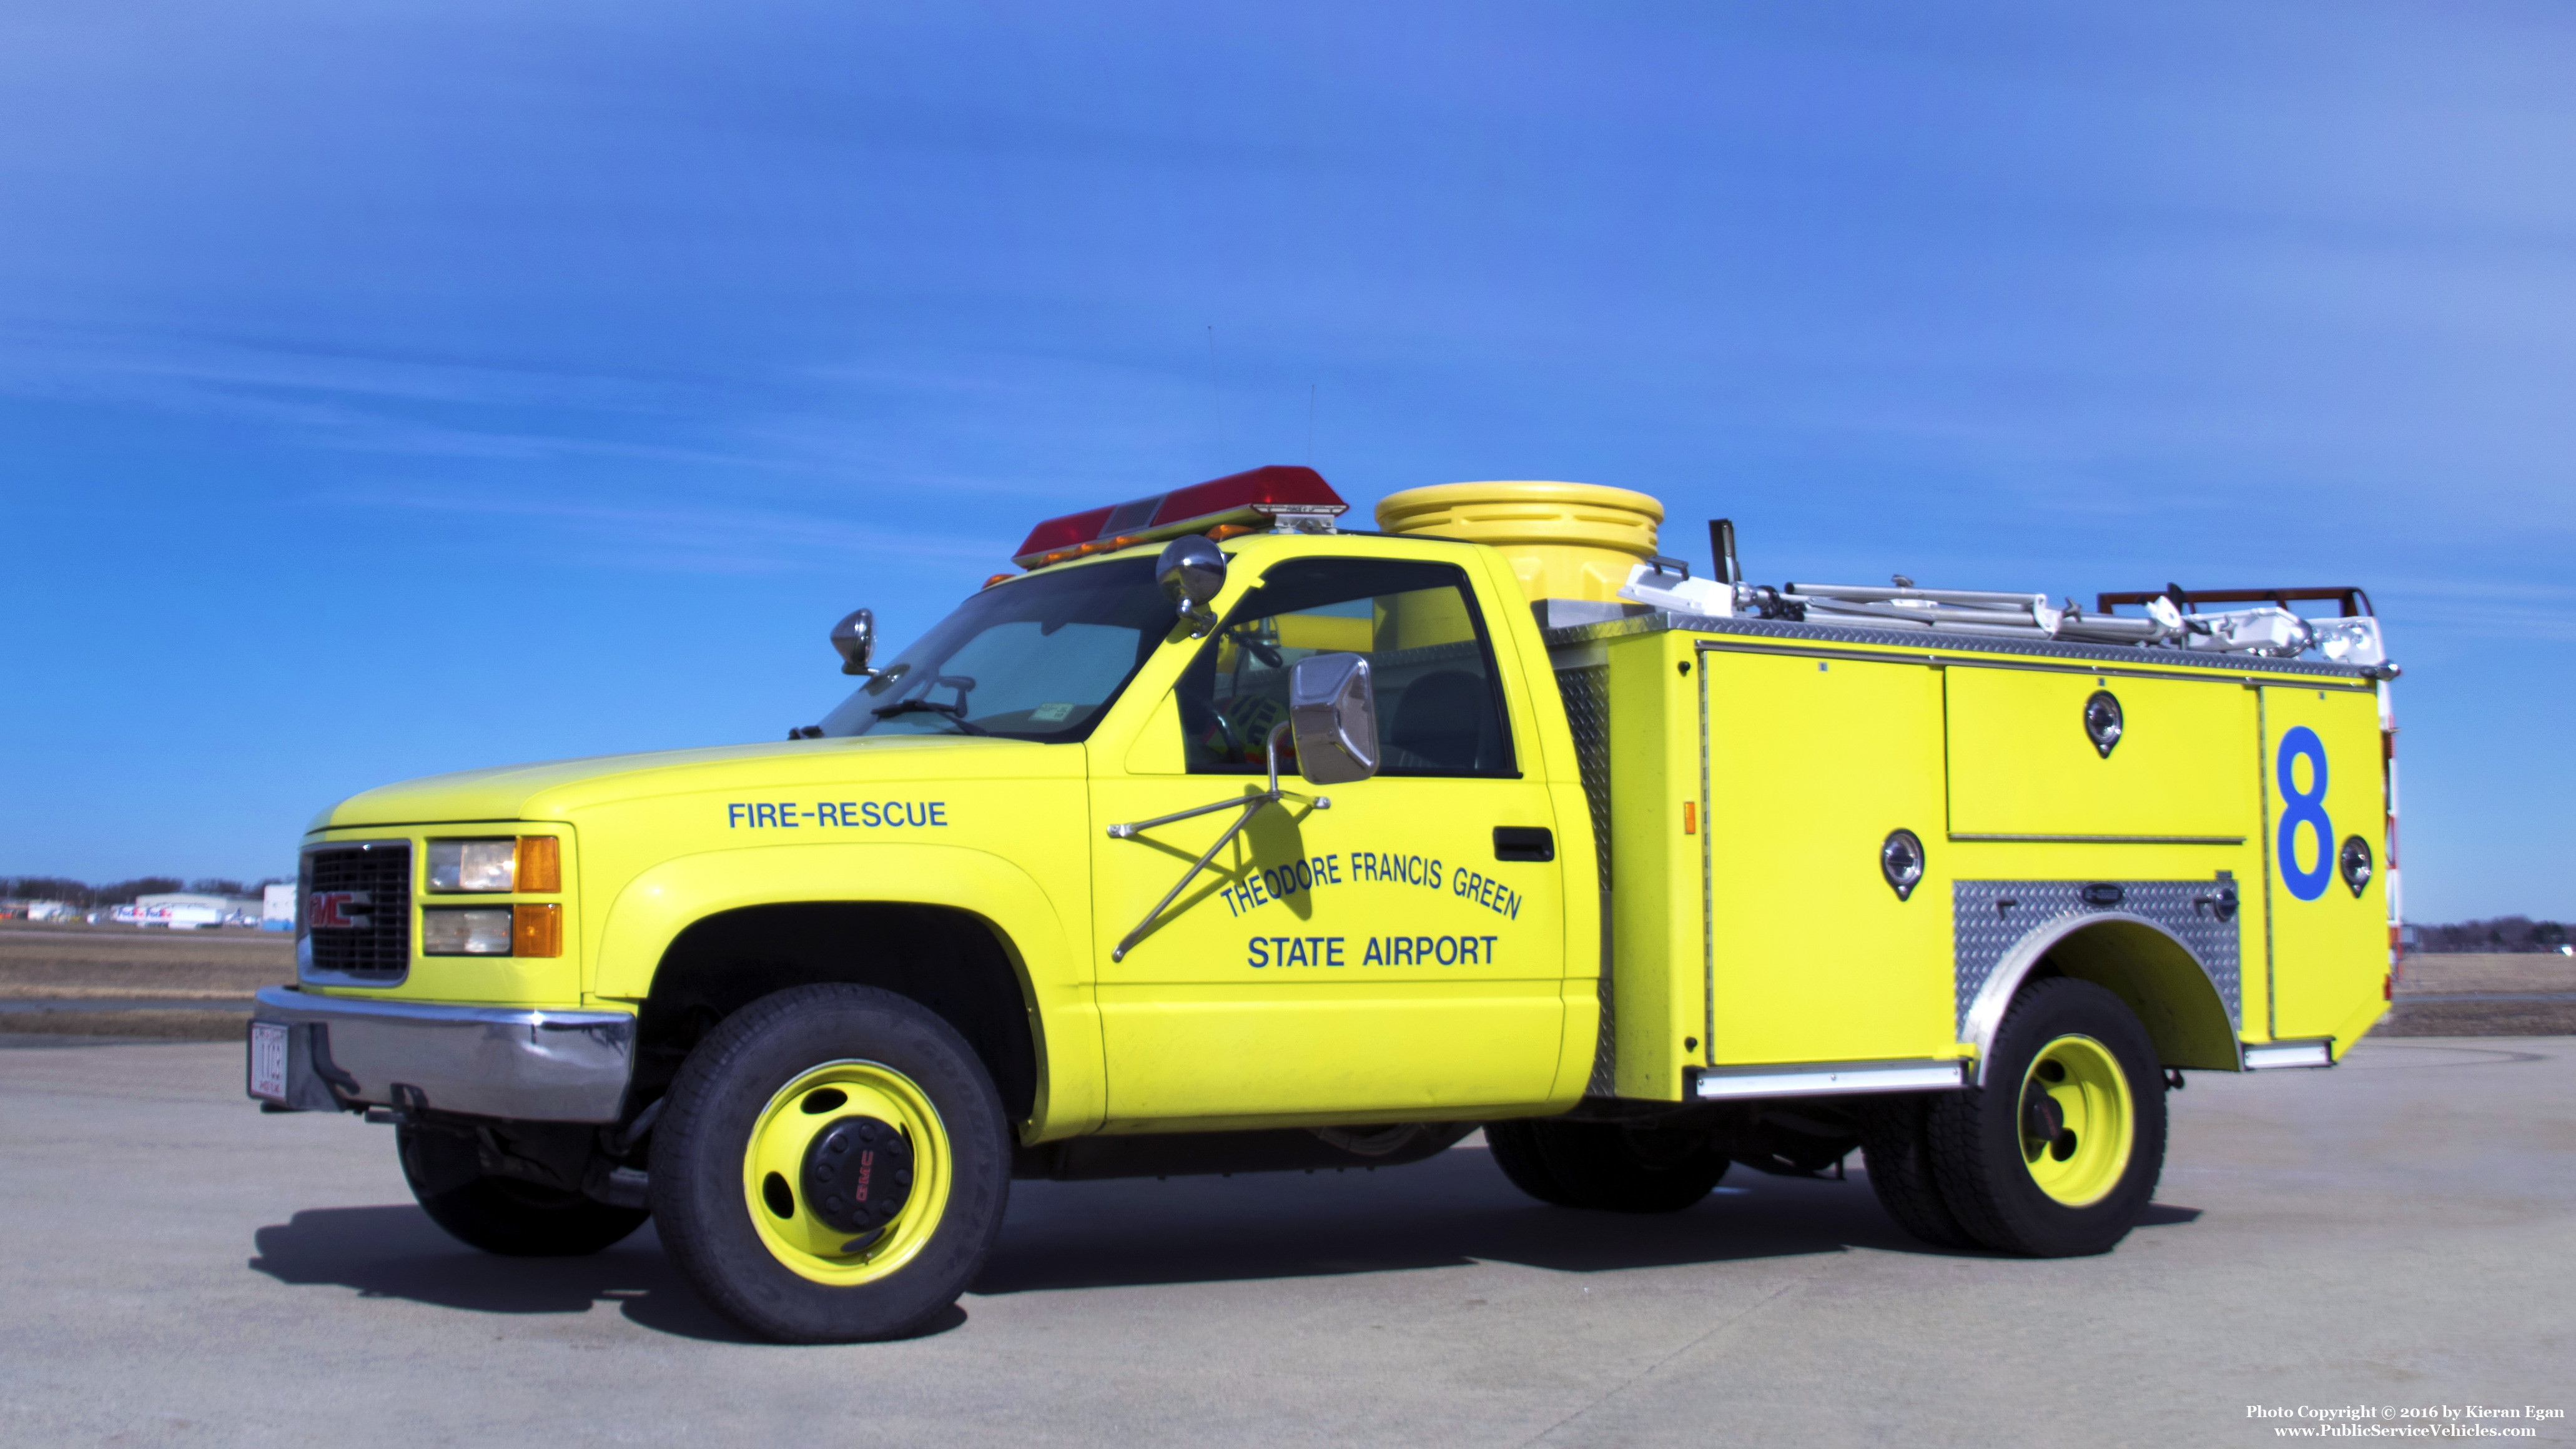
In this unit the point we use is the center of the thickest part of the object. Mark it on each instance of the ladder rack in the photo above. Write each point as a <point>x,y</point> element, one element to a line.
<point>2173,620</point>
<point>2174,616</point>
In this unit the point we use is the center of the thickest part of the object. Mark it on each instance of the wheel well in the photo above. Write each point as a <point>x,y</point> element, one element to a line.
<point>2161,983</point>
<point>954,963</point>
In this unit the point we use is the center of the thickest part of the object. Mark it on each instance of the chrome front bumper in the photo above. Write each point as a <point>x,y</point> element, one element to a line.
<point>531,1064</point>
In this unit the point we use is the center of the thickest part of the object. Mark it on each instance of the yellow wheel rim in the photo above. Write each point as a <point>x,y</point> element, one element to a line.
<point>775,1180</point>
<point>2077,1120</point>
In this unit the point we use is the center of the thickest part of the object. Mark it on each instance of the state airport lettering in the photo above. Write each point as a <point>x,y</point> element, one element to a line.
<point>852,814</point>
<point>1269,951</point>
<point>1278,882</point>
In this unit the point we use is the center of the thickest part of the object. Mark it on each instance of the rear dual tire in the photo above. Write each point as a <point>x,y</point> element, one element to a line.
<point>1896,1153</point>
<point>2058,1153</point>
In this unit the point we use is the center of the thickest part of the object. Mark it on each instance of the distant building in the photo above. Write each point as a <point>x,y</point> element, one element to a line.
<point>277,908</point>
<point>183,911</point>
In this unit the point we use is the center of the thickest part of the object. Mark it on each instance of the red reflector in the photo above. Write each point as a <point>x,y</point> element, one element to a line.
<point>1239,498</point>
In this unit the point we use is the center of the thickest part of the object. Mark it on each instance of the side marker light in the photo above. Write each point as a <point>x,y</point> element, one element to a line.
<point>536,930</point>
<point>540,865</point>
<point>2103,722</point>
<point>1900,859</point>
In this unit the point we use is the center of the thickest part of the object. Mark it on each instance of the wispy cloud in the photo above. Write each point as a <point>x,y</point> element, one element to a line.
<point>358,401</point>
<point>697,539</point>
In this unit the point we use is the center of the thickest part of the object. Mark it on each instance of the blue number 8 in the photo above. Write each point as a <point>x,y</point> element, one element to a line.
<point>2307,809</point>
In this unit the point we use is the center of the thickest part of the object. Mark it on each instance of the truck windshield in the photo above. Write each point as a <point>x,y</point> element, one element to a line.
<point>1038,658</point>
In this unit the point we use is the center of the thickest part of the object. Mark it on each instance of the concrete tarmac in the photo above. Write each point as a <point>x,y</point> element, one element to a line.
<point>2398,1233</point>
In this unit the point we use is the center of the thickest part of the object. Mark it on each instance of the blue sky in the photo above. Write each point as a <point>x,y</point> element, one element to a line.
<point>393,388</point>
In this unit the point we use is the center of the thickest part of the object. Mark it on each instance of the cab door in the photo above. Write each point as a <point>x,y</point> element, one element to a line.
<point>1398,951</point>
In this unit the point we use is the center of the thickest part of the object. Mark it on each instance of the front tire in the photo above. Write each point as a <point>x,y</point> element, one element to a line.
<point>504,1215</point>
<point>2058,1153</point>
<point>832,1166</point>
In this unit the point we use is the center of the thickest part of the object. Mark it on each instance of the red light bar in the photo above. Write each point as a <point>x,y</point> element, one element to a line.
<point>1249,499</point>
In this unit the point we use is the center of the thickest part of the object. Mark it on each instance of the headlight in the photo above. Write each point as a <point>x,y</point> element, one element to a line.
<point>491,931</point>
<point>478,932</point>
<point>525,864</point>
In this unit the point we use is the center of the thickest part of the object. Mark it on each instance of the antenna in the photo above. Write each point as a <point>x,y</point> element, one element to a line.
<point>1310,425</point>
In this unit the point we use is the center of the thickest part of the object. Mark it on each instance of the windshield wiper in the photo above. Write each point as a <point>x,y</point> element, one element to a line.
<point>956,715</point>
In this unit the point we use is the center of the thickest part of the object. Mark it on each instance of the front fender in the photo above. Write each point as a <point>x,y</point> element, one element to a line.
<point>656,906</point>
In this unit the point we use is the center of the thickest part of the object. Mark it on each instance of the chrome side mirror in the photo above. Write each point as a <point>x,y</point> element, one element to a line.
<point>1332,713</point>
<point>1192,573</point>
<point>855,638</point>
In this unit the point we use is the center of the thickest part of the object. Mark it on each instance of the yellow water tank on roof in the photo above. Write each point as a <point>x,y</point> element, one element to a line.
<point>1565,540</point>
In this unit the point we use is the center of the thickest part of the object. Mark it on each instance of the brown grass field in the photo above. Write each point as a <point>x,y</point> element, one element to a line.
<point>49,962</point>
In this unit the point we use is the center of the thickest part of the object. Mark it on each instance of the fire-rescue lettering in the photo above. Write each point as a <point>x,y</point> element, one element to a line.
<point>852,814</point>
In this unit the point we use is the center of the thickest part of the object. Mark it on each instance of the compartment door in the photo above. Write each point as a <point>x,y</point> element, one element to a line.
<point>2024,766</point>
<point>2323,786</point>
<point>1813,957</point>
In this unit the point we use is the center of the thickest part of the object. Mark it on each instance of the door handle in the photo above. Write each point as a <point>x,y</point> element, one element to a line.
<point>1533,843</point>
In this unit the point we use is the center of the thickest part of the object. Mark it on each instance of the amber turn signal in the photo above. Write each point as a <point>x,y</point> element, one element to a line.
<point>536,930</point>
<point>540,867</point>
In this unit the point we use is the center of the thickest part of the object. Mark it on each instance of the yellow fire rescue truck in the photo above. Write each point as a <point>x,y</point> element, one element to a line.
<point>1225,839</point>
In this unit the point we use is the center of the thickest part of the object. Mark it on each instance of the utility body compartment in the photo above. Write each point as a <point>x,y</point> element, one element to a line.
<point>1752,773</point>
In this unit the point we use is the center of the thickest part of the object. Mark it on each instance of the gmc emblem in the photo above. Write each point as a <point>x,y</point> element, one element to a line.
<point>337,910</point>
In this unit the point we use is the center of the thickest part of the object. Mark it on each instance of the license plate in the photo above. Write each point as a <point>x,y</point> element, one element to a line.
<point>268,1060</point>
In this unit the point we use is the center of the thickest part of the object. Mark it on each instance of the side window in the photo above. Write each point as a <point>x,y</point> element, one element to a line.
<point>1429,659</point>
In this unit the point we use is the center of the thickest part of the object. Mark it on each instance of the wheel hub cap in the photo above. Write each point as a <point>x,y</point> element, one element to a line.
<point>2078,1120</point>
<point>858,1174</point>
<point>847,1172</point>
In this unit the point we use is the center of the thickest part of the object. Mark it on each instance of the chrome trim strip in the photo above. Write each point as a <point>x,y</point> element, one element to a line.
<point>550,1018</point>
<point>536,1064</point>
<point>1707,884</point>
<point>2263,797</point>
<point>1827,1079</point>
<point>2270,1056</point>
<point>1962,835</point>
<point>1934,660</point>
<point>2157,663</point>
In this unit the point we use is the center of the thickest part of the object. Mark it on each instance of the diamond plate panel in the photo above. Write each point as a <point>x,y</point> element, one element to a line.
<point>1586,690</point>
<point>1990,917</point>
<point>1587,708</point>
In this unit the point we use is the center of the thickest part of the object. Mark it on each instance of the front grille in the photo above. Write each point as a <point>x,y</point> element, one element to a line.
<point>380,950</point>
